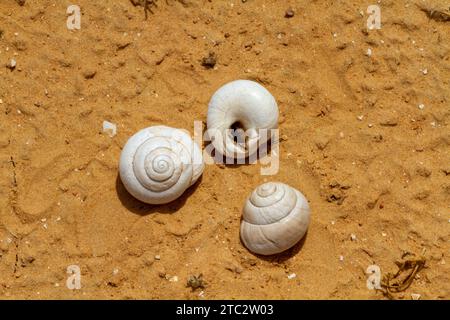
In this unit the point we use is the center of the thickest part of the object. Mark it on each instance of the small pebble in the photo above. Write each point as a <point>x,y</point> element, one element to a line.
<point>292,276</point>
<point>415,296</point>
<point>115,271</point>
<point>174,279</point>
<point>421,106</point>
<point>1,101</point>
<point>360,117</point>
<point>157,257</point>
<point>109,128</point>
<point>369,52</point>
<point>12,64</point>
<point>289,13</point>
<point>425,71</point>
<point>341,258</point>
<point>209,61</point>
<point>353,237</point>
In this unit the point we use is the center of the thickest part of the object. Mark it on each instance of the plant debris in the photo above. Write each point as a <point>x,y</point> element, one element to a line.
<point>195,282</point>
<point>408,266</point>
<point>435,14</point>
<point>147,4</point>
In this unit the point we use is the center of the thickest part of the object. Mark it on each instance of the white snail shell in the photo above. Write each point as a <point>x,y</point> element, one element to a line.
<point>159,163</point>
<point>275,217</point>
<point>251,106</point>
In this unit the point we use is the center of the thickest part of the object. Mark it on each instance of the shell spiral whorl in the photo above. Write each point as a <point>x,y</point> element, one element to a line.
<point>248,104</point>
<point>159,163</point>
<point>275,217</point>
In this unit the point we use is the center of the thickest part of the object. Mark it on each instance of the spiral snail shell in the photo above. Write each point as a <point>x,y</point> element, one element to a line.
<point>159,163</point>
<point>246,105</point>
<point>275,217</point>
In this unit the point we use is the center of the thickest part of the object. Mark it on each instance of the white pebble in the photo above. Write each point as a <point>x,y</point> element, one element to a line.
<point>341,258</point>
<point>415,296</point>
<point>174,279</point>
<point>12,64</point>
<point>157,257</point>
<point>369,52</point>
<point>115,271</point>
<point>360,117</point>
<point>383,234</point>
<point>109,128</point>
<point>425,71</point>
<point>421,106</point>
<point>1,101</point>
<point>353,237</point>
<point>292,276</point>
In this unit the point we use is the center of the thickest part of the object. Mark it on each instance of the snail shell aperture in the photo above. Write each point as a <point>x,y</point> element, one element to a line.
<point>275,217</point>
<point>159,163</point>
<point>246,105</point>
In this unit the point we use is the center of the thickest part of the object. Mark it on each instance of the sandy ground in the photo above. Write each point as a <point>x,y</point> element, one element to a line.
<point>371,162</point>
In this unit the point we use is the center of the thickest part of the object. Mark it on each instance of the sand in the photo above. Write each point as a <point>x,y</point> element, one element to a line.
<point>365,137</point>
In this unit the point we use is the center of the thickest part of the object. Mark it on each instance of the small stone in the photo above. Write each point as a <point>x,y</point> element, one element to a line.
<point>389,122</point>
<point>284,137</point>
<point>369,52</point>
<point>210,61</point>
<point>321,142</point>
<point>353,237</point>
<point>423,172</point>
<point>341,258</point>
<point>115,271</point>
<point>89,74</point>
<point>292,276</point>
<point>289,13</point>
<point>109,128</point>
<point>1,101</point>
<point>415,296</point>
<point>157,257</point>
<point>360,118</point>
<point>425,71</point>
<point>173,279</point>
<point>384,234</point>
<point>12,64</point>
<point>421,106</point>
